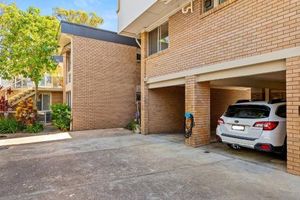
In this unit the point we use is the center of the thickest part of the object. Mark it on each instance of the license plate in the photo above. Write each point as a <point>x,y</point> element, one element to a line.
<point>238,128</point>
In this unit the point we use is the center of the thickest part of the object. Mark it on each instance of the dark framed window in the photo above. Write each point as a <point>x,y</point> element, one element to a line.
<point>158,39</point>
<point>208,5</point>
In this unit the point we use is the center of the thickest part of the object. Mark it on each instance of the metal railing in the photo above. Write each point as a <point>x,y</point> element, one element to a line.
<point>25,83</point>
<point>44,117</point>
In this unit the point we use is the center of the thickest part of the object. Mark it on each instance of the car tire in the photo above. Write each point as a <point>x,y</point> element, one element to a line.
<point>283,153</point>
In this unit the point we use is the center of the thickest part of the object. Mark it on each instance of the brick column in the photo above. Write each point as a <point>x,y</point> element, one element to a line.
<point>197,101</point>
<point>144,88</point>
<point>293,115</point>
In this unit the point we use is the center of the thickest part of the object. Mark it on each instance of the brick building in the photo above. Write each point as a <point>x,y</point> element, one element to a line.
<point>202,55</point>
<point>102,76</point>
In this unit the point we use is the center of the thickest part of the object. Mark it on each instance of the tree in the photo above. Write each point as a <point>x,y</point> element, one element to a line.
<point>28,42</point>
<point>78,17</point>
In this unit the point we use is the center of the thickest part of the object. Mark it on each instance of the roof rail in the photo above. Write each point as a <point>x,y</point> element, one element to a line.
<point>243,101</point>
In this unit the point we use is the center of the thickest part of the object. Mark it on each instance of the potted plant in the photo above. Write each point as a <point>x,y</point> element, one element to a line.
<point>134,126</point>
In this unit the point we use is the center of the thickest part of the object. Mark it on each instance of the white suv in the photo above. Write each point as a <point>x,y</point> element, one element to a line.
<point>257,125</point>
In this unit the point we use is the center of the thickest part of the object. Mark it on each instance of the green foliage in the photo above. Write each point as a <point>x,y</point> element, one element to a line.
<point>61,116</point>
<point>28,42</point>
<point>133,125</point>
<point>78,17</point>
<point>34,128</point>
<point>8,126</point>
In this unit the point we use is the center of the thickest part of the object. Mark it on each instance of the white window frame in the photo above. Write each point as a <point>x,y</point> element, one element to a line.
<point>69,98</point>
<point>68,68</point>
<point>42,100</point>
<point>158,39</point>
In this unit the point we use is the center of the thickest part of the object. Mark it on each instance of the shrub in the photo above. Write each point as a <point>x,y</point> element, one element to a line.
<point>133,126</point>
<point>25,113</point>
<point>34,128</point>
<point>8,126</point>
<point>61,116</point>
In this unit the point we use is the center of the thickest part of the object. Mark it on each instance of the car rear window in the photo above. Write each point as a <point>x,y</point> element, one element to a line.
<point>281,111</point>
<point>248,111</point>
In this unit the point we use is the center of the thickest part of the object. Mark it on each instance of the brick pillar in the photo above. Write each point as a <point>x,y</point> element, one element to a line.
<point>144,88</point>
<point>197,101</point>
<point>293,115</point>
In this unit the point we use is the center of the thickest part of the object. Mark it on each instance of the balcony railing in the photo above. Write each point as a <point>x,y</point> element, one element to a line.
<point>23,83</point>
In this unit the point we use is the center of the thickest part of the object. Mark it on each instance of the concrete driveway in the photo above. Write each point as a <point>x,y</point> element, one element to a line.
<point>115,164</point>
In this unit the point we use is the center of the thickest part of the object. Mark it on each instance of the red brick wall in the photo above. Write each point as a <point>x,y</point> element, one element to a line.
<point>166,110</point>
<point>293,115</point>
<point>104,84</point>
<point>221,99</point>
<point>57,97</point>
<point>241,29</point>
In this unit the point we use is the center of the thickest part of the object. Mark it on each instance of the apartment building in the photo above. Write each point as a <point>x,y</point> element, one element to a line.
<point>102,76</point>
<point>200,56</point>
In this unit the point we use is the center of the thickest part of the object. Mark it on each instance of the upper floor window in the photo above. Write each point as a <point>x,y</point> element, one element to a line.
<point>68,64</point>
<point>159,39</point>
<point>210,4</point>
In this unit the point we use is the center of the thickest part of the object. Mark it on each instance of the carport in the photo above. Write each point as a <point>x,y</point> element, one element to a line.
<point>208,90</point>
<point>167,109</point>
<point>264,87</point>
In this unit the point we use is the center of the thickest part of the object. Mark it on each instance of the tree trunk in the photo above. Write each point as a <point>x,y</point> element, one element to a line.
<point>36,89</point>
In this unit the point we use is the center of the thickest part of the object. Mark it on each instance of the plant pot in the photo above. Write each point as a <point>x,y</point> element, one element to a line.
<point>137,129</point>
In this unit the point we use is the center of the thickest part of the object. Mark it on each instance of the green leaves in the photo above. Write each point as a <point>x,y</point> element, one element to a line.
<point>28,42</point>
<point>78,17</point>
<point>61,116</point>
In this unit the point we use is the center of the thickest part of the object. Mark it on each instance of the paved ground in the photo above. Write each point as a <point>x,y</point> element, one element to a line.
<point>115,164</point>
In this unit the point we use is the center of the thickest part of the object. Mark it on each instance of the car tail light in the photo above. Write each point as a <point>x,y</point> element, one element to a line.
<point>264,147</point>
<point>221,121</point>
<point>267,126</point>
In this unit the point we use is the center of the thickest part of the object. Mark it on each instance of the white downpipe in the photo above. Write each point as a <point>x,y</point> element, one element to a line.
<point>166,1</point>
<point>137,41</point>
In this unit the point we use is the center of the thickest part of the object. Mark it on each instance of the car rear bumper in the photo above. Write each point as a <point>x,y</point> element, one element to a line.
<point>252,143</point>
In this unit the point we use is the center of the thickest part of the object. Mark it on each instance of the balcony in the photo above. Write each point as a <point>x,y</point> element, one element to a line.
<point>48,82</point>
<point>136,16</point>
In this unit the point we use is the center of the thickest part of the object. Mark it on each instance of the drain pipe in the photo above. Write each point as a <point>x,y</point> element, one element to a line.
<point>137,41</point>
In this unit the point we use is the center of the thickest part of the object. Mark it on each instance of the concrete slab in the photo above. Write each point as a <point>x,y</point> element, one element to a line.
<point>135,167</point>
<point>35,139</point>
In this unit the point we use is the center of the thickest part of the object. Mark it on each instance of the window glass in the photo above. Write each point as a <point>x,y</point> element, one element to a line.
<point>281,111</point>
<point>159,39</point>
<point>68,63</point>
<point>222,1</point>
<point>164,37</point>
<point>46,101</point>
<point>69,99</point>
<point>208,4</point>
<point>153,44</point>
<point>248,111</point>
<point>43,102</point>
